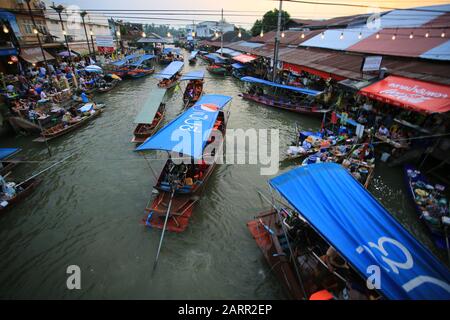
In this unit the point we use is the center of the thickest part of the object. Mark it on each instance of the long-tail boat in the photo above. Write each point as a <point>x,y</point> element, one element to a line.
<point>141,68</point>
<point>303,102</point>
<point>219,65</point>
<point>193,57</point>
<point>150,117</point>
<point>87,113</point>
<point>202,130</point>
<point>194,87</point>
<point>21,193</point>
<point>432,207</point>
<point>170,76</point>
<point>7,163</point>
<point>170,55</point>
<point>120,67</point>
<point>333,238</point>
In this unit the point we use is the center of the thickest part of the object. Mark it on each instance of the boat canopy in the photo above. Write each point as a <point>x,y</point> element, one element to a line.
<point>190,131</point>
<point>170,70</point>
<point>147,113</point>
<point>306,91</point>
<point>217,58</point>
<point>244,58</point>
<point>141,59</point>
<point>238,65</point>
<point>364,233</point>
<point>7,152</point>
<point>193,54</point>
<point>228,52</point>
<point>174,50</point>
<point>193,75</point>
<point>93,69</point>
<point>125,60</point>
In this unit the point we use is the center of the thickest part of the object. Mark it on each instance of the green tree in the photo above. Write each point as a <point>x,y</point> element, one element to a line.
<point>269,21</point>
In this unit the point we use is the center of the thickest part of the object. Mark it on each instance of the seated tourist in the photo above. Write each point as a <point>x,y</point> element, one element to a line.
<point>383,131</point>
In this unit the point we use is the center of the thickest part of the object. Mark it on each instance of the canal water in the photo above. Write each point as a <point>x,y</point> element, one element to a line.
<point>88,211</point>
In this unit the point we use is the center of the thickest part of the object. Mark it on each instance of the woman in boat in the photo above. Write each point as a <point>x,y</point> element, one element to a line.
<point>8,191</point>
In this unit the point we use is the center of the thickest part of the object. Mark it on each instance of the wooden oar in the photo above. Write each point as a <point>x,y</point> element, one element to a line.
<point>164,228</point>
<point>41,172</point>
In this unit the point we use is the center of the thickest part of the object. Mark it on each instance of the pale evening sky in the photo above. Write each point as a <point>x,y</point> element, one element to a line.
<point>250,10</point>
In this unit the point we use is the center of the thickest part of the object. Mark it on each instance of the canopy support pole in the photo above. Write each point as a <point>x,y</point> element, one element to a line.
<point>164,228</point>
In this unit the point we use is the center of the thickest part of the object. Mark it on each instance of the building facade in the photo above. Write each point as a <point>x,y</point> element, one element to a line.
<point>207,29</point>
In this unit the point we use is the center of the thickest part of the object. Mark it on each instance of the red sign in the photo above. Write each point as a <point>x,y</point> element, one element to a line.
<point>411,94</point>
<point>105,49</point>
<point>244,58</point>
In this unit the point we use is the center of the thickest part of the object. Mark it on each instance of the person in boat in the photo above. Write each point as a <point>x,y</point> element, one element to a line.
<point>8,191</point>
<point>383,131</point>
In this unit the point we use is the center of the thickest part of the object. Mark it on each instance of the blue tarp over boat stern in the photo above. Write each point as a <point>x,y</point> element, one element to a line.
<point>306,91</point>
<point>350,219</point>
<point>7,152</point>
<point>170,70</point>
<point>193,75</point>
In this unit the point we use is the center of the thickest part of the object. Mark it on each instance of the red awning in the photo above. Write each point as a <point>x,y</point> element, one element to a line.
<point>411,94</point>
<point>244,58</point>
<point>298,69</point>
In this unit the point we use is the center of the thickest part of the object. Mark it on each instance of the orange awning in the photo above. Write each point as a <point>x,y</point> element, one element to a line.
<point>410,94</point>
<point>244,58</point>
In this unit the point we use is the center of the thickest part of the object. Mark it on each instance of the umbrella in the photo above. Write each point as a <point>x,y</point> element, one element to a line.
<point>114,76</point>
<point>66,53</point>
<point>93,68</point>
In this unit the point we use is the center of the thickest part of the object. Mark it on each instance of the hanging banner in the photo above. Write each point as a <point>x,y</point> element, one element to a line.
<point>104,41</point>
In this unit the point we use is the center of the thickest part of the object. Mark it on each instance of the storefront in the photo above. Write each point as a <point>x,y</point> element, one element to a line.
<point>297,70</point>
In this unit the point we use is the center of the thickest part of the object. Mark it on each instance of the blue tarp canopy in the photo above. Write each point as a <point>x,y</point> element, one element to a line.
<point>7,152</point>
<point>216,58</point>
<point>170,70</point>
<point>194,75</point>
<point>173,50</point>
<point>189,132</point>
<point>228,51</point>
<point>141,59</point>
<point>193,54</point>
<point>11,18</point>
<point>349,121</point>
<point>151,106</point>
<point>309,92</point>
<point>238,65</point>
<point>125,60</point>
<point>364,233</point>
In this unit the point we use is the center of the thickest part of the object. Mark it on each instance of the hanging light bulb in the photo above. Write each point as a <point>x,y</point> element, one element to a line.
<point>143,34</point>
<point>64,32</point>
<point>5,29</point>
<point>193,33</point>
<point>35,31</point>
<point>118,33</point>
<point>443,34</point>
<point>168,34</point>
<point>322,35</point>
<point>394,37</point>
<point>303,35</point>
<point>216,34</point>
<point>377,35</point>
<point>262,33</point>
<point>411,35</point>
<point>341,36</point>
<point>239,34</point>
<point>282,34</point>
<point>427,34</point>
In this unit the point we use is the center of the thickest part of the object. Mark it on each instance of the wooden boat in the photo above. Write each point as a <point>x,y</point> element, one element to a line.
<point>430,203</point>
<point>108,86</point>
<point>182,184</point>
<point>193,57</point>
<point>6,160</point>
<point>59,129</point>
<point>24,191</point>
<point>150,117</point>
<point>194,87</point>
<point>306,104</point>
<point>140,72</point>
<point>141,67</point>
<point>217,69</point>
<point>321,247</point>
<point>170,76</point>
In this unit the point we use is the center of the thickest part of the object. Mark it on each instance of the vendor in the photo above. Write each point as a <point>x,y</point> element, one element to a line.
<point>7,189</point>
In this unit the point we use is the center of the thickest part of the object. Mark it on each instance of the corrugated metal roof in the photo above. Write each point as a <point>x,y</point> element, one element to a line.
<point>440,52</point>
<point>338,39</point>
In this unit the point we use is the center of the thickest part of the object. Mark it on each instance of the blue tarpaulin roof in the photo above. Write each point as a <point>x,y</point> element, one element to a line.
<point>238,65</point>
<point>7,152</point>
<point>123,61</point>
<point>193,54</point>
<point>351,220</point>
<point>170,70</point>
<point>216,58</point>
<point>141,59</point>
<point>228,51</point>
<point>189,132</point>
<point>309,92</point>
<point>194,75</point>
<point>173,50</point>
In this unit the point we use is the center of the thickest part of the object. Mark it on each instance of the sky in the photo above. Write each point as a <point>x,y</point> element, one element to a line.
<point>240,12</point>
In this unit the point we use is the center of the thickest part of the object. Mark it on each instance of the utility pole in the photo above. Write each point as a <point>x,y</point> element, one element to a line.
<point>92,42</point>
<point>36,31</point>
<point>59,9</point>
<point>83,14</point>
<point>221,34</point>
<point>277,43</point>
